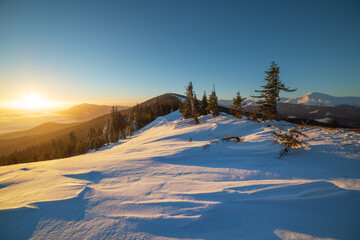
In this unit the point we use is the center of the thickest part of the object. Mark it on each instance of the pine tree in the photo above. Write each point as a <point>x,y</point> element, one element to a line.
<point>158,108</point>
<point>189,108</point>
<point>114,124</point>
<point>197,105</point>
<point>117,124</point>
<point>130,128</point>
<point>213,107</point>
<point>71,144</point>
<point>107,131</point>
<point>269,96</point>
<point>238,105</point>
<point>204,105</point>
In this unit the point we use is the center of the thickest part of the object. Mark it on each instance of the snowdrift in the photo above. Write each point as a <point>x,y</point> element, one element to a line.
<point>160,185</point>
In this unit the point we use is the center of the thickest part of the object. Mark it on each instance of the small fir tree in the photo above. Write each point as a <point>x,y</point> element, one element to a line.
<point>269,96</point>
<point>204,105</point>
<point>213,106</point>
<point>189,108</point>
<point>290,139</point>
<point>238,105</point>
<point>197,104</point>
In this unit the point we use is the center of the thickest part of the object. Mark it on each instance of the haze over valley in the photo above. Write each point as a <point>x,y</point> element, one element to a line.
<point>181,119</point>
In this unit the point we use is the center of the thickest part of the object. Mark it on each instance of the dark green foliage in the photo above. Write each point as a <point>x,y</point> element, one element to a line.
<point>117,125</point>
<point>159,111</point>
<point>269,96</point>
<point>204,105</point>
<point>197,104</point>
<point>71,144</point>
<point>189,109</point>
<point>213,106</point>
<point>238,105</point>
<point>290,139</point>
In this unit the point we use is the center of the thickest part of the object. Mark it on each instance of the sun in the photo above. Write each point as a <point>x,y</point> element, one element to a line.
<point>33,101</point>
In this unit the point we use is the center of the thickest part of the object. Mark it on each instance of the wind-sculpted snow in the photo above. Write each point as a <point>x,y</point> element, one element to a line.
<point>159,185</point>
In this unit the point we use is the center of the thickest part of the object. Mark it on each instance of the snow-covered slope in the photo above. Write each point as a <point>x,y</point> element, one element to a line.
<point>321,99</point>
<point>160,185</point>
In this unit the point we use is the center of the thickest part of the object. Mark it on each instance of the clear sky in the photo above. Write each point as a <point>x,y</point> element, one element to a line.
<point>129,51</point>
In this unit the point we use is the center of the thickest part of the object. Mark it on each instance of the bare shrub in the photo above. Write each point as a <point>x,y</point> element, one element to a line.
<point>352,141</point>
<point>226,137</point>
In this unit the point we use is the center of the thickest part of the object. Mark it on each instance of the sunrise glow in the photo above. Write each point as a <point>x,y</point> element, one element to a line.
<point>32,101</point>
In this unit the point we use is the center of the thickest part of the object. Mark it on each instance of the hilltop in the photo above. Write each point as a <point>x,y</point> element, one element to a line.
<point>86,111</point>
<point>158,185</point>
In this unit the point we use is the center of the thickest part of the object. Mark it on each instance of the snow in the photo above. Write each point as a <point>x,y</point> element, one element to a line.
<point>159,185</point>
<point>321,99</point>
<point>182,99</point>
<point>324,120</point>
<point>229,103</point>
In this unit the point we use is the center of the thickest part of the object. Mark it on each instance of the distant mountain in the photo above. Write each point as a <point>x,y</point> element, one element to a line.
<point>41,129</point>
<point>342,111</point>
<point>247,102</point>
<point>312,99</point>
<point>45,132</point>
<point>229,103</point>
<point>321,99</point>
<point>87,111</point>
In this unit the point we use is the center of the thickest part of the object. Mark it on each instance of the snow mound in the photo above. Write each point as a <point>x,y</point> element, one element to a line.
<point>160,185</point>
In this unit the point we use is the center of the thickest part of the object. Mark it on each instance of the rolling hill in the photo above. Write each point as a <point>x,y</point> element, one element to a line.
<point>21,140</point>
<point>86,111</point>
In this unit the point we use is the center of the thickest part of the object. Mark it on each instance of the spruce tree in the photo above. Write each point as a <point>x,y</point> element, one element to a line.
<point>114,124</point>
<point>117,124</point>
<point>213,107</point>
<point>197,105</point>
<point>71,143</point>
<point>158,108</point>
<point>269,96</point>
<point>238,105</point>
<point>189,108</point>
<point>204,105</point>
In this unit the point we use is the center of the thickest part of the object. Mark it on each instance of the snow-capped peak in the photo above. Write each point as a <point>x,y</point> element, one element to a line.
<point>321,99</point>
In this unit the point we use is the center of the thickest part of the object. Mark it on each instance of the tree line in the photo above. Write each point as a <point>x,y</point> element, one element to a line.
<point>118,126</point>
<point>193,108</point>
<point>268,98</point>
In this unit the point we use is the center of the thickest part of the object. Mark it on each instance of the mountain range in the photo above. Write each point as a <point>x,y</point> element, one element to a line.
<point>321,99</point>
<point>342,115</point>
<point>311,99</point>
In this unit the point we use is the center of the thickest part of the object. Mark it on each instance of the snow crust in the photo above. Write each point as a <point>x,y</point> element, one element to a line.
<point>160,185</point>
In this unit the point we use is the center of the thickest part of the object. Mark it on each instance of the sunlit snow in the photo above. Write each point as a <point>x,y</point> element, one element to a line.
<point>160,185</point>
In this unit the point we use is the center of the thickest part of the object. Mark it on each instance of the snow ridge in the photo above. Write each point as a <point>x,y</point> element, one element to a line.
<point>159,185</point>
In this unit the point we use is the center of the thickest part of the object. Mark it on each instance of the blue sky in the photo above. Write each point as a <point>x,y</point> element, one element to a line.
<point>129,51</point>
